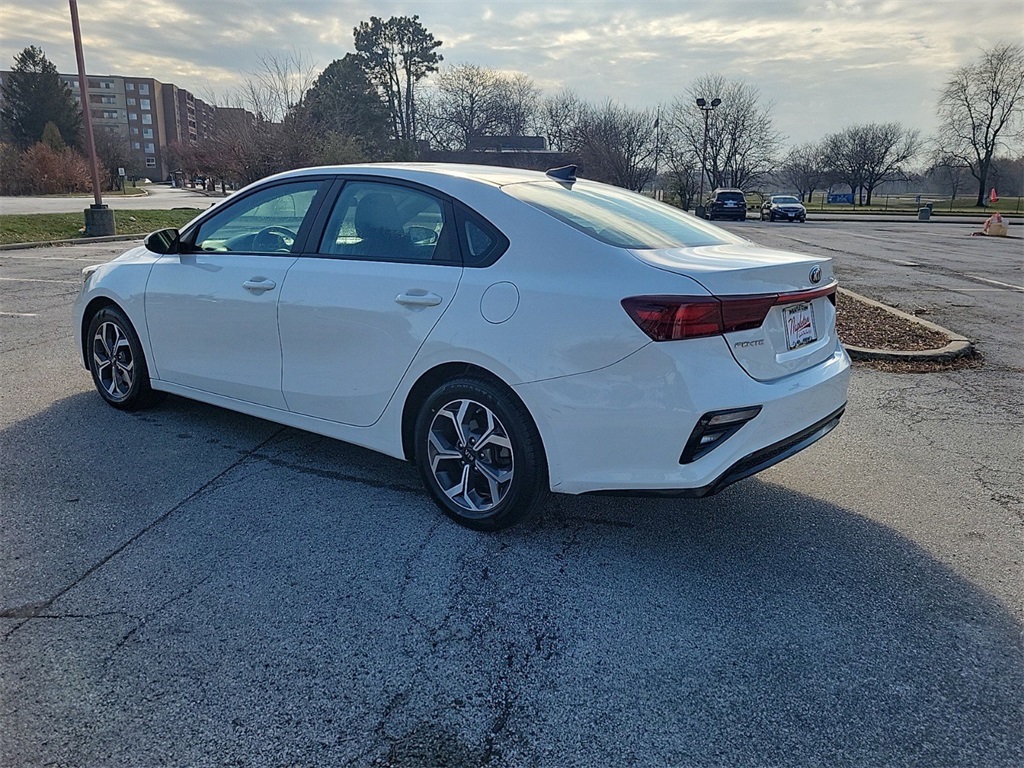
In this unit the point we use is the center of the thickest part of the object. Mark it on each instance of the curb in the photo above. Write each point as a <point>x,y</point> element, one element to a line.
<point>76,241</point>
<point>958,346</point>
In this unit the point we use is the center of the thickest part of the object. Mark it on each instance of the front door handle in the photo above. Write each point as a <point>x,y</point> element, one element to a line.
<point>418,299</point>
<point>259,285</point>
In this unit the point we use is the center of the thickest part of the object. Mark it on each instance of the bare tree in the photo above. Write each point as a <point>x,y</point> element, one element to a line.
<point>803,170</point>
<point>560,117</point>
<point>463,106</point>
<point>470,101</point>
<point>518,105</point>
<point>950,172</point>
<point>980,106</point>
<point>742,142</point>
<point>682,172</point>
<point>864,156</point>
<point>617,144</point>
<point>113,152</point>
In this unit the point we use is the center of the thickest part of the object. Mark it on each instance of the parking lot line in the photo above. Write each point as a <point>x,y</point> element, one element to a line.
<point>37,280</point>
<point>996,282</point>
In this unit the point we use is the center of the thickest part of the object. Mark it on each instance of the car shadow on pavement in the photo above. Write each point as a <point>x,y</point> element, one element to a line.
<point>256,591</point>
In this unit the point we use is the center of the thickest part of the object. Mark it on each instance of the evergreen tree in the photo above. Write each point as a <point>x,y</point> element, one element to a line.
<point>34,96</point>
<point>396,55</point>
<point>344,101</point>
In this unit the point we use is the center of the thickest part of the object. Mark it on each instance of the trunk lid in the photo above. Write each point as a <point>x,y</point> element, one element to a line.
<point>799,330</point>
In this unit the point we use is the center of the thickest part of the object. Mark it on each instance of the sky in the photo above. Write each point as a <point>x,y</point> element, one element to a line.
<point>821,64</point>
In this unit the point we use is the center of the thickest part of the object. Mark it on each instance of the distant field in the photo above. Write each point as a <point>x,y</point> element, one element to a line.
<point>41,227</point>
<point>910,204</point>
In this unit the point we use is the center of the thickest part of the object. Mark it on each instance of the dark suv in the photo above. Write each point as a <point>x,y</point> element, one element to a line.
<point>726,204</point>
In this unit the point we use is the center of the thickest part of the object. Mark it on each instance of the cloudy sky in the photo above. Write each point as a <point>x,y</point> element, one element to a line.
<point>823,64</point>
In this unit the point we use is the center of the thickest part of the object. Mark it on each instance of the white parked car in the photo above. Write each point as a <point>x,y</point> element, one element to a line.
<point>511,332</point>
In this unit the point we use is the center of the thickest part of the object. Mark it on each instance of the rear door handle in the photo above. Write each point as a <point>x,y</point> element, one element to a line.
<point>418,299</point>
<point>259,285</point>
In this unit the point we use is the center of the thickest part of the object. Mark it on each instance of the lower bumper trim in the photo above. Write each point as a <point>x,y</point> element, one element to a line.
<point>748,465</point>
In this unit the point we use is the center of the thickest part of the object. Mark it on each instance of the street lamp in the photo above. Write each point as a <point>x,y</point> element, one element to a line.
<point>707,109</point>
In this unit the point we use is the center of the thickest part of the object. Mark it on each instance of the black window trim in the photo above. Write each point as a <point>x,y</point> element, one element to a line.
<point>464,213</point>
<point>302,236</point>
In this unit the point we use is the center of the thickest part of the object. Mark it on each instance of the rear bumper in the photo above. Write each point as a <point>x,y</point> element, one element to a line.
<point>748,465</point>
<point>623,428</point>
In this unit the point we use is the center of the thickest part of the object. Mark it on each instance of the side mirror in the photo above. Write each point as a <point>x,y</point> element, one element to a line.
<point>163,241</point>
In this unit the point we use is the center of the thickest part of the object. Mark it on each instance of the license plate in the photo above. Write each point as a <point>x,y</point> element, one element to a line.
<point>800,330</point>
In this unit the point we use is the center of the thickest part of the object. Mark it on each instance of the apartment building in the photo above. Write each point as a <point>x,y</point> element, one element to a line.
<point>149,114</point>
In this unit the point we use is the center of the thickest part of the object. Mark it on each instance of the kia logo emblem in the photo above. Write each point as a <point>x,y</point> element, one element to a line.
<point>815,275</point>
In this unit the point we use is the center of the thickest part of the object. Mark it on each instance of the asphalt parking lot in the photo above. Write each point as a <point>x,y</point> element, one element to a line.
<point>187,586</point>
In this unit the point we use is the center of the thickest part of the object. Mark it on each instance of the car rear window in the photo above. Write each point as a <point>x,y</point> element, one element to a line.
<point>617,217</point>
<point>734,196</point>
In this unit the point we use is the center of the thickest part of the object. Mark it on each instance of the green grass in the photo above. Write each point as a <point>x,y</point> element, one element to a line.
<point>40,227</point>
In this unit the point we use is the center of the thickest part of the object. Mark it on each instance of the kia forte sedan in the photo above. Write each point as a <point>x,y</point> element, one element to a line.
<point>511,332</point>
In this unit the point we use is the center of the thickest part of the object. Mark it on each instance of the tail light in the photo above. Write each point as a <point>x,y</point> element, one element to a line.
<point>671,318</point>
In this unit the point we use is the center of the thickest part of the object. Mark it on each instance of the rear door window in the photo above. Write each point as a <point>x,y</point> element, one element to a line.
<point>388,222</point>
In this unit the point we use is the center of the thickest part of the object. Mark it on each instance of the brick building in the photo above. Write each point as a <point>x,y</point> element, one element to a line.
<point>149,114</point>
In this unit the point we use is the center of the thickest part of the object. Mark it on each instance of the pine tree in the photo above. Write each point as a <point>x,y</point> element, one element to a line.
<point>34,96</point>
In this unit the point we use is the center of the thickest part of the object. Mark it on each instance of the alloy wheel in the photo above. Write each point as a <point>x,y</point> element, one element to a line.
<point>470,456</point>
<point>113,362</point>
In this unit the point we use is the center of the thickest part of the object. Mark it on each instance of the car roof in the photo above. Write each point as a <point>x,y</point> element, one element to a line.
<point>425,172</point>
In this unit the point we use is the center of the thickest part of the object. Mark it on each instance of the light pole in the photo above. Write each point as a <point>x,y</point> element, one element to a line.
<point>707,109</point>
<point>99,219</point>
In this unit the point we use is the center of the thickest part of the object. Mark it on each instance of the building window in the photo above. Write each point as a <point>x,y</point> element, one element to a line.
<point>129,86</point>
<point>135,131</point>
<point>143,87</point>
<point>131,102</point>
<point>144,103</point>
<point>107,84</point>
<point>136,145</point>
<point>150,148</point>
<point>147,133</point>
<point>151,162</point>
<point>109,115</point>
<point>147,119</point>
<point>133,116</point>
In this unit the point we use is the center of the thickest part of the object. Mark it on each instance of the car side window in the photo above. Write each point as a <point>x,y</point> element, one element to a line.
<point>373,220</point>
<point>482,243</point>
<point>267,221</point>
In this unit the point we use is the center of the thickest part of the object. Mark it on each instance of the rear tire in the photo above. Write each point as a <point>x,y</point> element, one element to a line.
<point>117,363</point>
<point>480,456</point>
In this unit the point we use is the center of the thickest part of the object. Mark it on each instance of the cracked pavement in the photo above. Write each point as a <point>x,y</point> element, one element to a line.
<point>188,586</point>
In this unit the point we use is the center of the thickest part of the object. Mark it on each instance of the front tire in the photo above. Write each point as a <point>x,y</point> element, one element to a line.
<point>480,456</point>
<point>117,363</point>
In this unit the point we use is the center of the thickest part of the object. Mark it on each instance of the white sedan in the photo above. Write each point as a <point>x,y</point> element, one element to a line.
<point>511,332</point>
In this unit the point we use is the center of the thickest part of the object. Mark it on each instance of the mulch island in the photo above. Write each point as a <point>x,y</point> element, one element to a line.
<point>862,325</point>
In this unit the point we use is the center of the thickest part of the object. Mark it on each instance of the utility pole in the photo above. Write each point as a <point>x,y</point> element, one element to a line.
<point>99,219</point>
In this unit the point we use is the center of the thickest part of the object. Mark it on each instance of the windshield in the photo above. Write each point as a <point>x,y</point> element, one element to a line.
<point>617,217</point>
<point>784,200</point>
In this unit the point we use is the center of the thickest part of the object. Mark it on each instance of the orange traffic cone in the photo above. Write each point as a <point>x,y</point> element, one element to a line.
<point>992,196</point>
